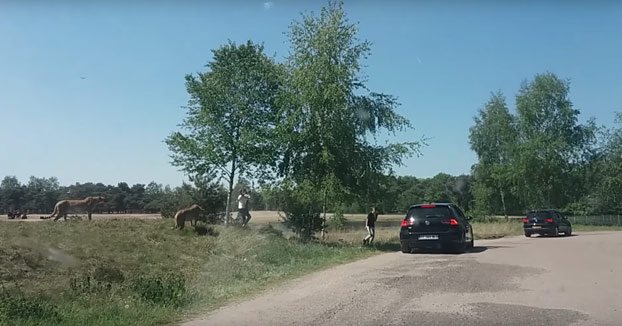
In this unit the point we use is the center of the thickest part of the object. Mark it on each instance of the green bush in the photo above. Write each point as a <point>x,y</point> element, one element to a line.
<point>169,290</point>
<point>15,308</point>
<point>337,221</point>
<point>302,210</point>
<point>109,274</point>
<point>205,230</point>
<point>269,229</point>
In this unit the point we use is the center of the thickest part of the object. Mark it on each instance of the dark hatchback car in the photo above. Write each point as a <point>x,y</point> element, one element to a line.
<point>546,222</point>
<point>436,226</point>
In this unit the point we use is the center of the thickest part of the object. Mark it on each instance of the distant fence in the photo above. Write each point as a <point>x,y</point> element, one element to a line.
<point>608,220</point>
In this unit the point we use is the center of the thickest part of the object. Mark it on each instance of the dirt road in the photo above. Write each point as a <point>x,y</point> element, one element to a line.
<point>513,281</point>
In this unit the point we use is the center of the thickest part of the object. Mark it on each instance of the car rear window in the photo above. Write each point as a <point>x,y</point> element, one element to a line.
<point>539,214</point>
<point>429,212</point>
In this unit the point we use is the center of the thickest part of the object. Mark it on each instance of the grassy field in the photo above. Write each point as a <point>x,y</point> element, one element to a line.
<point>141,272</point>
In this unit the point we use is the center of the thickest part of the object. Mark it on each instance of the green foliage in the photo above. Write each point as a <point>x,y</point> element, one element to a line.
<point>337,221</point>
<point>110,274</point>
<point>494,138</point>
<point>16,308</point>
<point>542,157</point>
<point>329,115</point>
<point>168,290</point>
<point>301,205</point>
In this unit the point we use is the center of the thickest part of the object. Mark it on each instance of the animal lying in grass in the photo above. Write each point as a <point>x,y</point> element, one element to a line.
<point>192,214</point>
<point>63,207</point>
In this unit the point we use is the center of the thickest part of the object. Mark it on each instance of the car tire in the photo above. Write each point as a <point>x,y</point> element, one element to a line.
<point>556,232</point>
<point>472,242</point>
<point>569,232</point>
<point>459,248</point>
<point>405,248</point>
<point>528,235</point>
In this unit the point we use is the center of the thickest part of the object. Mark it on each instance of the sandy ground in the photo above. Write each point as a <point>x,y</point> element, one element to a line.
<point>510,281</point>
<point>35,217</point>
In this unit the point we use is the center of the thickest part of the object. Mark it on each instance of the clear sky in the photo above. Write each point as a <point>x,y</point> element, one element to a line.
<point>89,89</point>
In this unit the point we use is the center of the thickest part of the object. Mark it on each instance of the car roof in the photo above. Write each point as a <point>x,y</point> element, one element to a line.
<point>542,210</point>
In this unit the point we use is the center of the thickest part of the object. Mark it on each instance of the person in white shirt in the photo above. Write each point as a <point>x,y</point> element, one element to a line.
<point>243,212</point>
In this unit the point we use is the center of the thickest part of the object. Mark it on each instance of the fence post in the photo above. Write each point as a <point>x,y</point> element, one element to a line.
<point>618,219</point>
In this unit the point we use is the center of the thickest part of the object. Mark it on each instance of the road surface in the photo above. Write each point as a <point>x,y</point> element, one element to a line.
<point>512,281</point>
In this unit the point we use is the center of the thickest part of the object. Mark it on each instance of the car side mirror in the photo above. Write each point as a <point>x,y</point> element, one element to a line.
<point>469,217</point>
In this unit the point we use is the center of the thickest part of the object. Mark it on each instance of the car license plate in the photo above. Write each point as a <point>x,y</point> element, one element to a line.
<point>428,237</point>
<point>536,227</point>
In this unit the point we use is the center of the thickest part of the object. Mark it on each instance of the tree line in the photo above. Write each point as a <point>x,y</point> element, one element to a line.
<point>39,195</point>
<point>541,156</point>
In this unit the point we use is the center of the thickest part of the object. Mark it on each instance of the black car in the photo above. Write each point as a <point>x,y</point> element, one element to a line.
<point>546,222</point>
<point>438,226</point>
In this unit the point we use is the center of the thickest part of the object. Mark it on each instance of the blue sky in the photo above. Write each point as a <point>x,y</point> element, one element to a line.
<point>440,58</point>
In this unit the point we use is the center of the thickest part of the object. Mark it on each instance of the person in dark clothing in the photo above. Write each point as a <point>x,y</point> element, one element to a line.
<point>370,225</point>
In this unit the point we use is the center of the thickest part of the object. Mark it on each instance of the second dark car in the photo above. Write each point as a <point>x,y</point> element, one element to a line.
<point>546,222</point>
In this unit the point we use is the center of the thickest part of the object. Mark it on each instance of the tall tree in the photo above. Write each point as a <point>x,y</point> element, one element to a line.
<point>494,139</point>
<point>606,194</point>
<point>230,117</point>
<point>12,193</point>
<point>329,115</point>
<point>553,144</point>
<point>41,194</point>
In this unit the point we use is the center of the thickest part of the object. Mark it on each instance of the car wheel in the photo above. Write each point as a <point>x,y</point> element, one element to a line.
<point>459,248</point>
<point>472,242</point>
<point>556,232</point>
<point>528,235</point>
<point>405,248</point>
<point>569,232</point>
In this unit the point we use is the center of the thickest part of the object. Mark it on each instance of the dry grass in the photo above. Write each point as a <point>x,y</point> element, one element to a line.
<point>50,270</point>
<point>496,230</point>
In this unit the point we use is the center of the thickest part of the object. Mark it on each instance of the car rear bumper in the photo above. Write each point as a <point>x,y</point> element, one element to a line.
<point>444,239</point>
<point>542,230</point>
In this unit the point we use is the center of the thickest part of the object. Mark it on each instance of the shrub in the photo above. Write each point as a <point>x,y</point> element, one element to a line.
<point>102,279</point>
<point>169,290</point>
<point>14,307</point>
<point>109,274</point>
<point>337,221</point>
<point>302,210</point>
<point>269,229</point>
<point>205,230</point>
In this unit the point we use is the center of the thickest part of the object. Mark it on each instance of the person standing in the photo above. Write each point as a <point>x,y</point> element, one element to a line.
<point>243,212</point>
<point>370,225</point>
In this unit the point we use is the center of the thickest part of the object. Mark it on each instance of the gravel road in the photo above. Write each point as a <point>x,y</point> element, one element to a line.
<point>573,280</point>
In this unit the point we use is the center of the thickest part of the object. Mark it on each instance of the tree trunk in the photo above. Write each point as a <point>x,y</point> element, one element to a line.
<point>229,192</point>
<point>502,194</point>
<point>228,206</point>
<point>324,215</point>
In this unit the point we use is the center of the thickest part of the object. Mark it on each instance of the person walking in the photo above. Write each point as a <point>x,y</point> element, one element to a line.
<point>243,212</point>
<point>370,225</point>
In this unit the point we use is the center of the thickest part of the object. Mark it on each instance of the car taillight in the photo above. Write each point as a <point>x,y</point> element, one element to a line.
<point>406,223</point>
<point>549,220</point>
<point>427,206</point>
<point>451,221</point>
<point>525,220</point>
